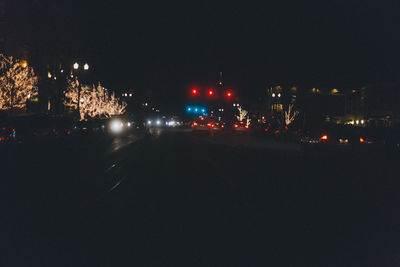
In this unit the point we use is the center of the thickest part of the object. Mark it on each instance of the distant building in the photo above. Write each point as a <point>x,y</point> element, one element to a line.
<point>318,106</point>
<point>278,99</point>
<point>375,105</point>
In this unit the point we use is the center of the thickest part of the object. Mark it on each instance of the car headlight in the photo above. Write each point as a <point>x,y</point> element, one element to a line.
<point>116,126</point>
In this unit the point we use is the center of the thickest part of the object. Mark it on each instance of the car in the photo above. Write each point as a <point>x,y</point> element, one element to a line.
<point>155,122</point>
<point>341,138</point>
<point>29,127</point>
<point>7,133</point>
<point>240,126</point>
<point>207,124</point>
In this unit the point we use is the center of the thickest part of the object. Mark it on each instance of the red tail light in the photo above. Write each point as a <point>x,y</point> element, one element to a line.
<point>266,129</point>
<point>236,125</point>
<point>222,126</point>
<point>324,137</point>
<point>277,131</point>
<point>212,125</point>
<point>247,126</point>
<point>194,123</point>
<point>209,124</point>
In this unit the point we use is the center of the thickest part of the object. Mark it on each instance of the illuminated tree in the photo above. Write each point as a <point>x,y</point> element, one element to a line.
<point>242,114</point>
<point>290,115</point>
<point>94,101</point>
<point>248,120</point>
<point>18,82</point>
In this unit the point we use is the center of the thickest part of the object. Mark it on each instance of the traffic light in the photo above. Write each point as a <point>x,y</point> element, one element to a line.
<point>210,92</point>
<point>229,94</point>
<point>194,91</point>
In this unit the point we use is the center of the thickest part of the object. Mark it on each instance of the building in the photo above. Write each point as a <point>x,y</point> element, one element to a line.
<point>375,105</point>
<point>279,97</point>
<point>318,106</point>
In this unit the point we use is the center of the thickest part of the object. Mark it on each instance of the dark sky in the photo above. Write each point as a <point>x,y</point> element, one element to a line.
<point>167,46</point>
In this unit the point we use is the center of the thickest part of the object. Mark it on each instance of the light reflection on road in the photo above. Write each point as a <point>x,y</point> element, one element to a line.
<point>120,142</point>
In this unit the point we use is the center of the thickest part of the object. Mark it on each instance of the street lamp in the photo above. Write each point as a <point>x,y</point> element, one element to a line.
<point>24,64</point>
<point>76,68</point>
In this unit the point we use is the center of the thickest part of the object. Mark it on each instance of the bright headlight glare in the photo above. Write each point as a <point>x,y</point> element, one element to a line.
<point>116,126</point>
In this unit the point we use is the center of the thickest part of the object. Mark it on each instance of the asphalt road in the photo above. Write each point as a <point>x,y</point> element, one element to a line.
<point>176,198</point>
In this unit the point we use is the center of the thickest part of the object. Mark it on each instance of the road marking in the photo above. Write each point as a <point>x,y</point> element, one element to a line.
<point>117,184</point>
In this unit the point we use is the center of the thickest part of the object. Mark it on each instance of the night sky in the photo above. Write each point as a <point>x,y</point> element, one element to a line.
<point>165,47</point>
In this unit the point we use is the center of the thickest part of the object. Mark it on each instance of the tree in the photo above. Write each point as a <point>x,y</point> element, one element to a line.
<point>248,120</point>
<point>94,101</point>
<point>242,114</point>
<point>290,115</point>
<point>18,83</point>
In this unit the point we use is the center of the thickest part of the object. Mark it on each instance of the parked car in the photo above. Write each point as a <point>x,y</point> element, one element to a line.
<point>342,137</point>
<point>27,128</point>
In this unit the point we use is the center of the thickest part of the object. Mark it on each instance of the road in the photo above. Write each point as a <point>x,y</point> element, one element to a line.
<point>176,198</point>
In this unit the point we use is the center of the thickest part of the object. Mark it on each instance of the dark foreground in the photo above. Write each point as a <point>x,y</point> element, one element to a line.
<point>185,199</point>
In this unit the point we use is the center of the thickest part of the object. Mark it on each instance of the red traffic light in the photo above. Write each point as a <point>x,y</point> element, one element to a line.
<point>194,91</point>
<point>211,93</point>
<point>229,94</point>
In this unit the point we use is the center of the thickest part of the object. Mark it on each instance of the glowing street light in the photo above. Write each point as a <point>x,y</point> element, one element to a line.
<point>24,64</point>
<point>76,68</point>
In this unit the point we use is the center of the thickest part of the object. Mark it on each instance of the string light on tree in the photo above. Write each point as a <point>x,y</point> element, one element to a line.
<point>94,101</point>
<point>17,82</point>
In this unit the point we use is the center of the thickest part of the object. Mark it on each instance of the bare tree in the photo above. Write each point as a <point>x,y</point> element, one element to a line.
<point>290,115</point>
<point>248,120</point>
<point>242,114</point>
<point>18,83</point>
